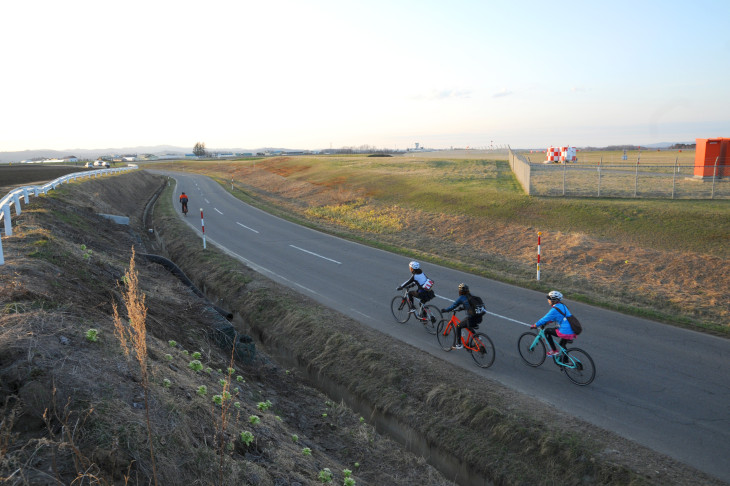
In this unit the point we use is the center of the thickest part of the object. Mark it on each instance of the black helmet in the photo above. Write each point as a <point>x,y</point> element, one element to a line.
<point>463,289</point>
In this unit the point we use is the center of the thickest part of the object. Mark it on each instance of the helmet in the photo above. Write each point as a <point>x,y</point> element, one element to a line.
<point>414,265</point>
<point>463,288</point>
<point>555,296</point>
<point>183,192</point>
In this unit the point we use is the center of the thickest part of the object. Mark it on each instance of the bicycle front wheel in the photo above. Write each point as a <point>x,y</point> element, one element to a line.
<point>484,350</point>
<point>432,319</point>
<point>580,369</point>
<point>445,335</point>
<point>399,308</point>
<point>532,349</point>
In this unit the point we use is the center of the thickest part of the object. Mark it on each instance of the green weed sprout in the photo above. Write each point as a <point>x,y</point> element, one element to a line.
<point>202,390</point>
<point>254,419</point>
<point>195,365</point>
<point>239,379</point>
<point>278,419</point>
<point>263,406</point>
<point>209,370</point>
<point>226,395</point>
<point>85,252</point>
<point>172,343</point>
<point>325,475</point>
<point>357,465</point>
<point>307,451</point>
<point>349,482</point>
<point>168,357</point>
<point>185,352</point>
<point>324,415</point>
<point>218,399</point>
<point>362,420</point>
<point>287,372</point>
<point>237,404</point>
<point>246,437</point>
<point>222,382</point>
<point>294,437</point>
<point>197,355</point>
<point>347,473</point>
<point>220,371</point>
<point>166,383</point>
<point>92,335</point>
<point>231,371</point>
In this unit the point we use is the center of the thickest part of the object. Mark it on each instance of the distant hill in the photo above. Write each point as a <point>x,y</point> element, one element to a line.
<point>93,154</point>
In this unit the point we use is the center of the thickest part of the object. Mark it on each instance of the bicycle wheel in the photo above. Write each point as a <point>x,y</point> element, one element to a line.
<point>432,319</point>
<point>399,308</point>
<point>445,335</point>
<point>484,355</point>
<point>531,349</point>
<point>580,370</point>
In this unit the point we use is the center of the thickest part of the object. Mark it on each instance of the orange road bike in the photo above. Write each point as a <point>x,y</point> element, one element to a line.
<point>402,308</point>
<point>477,343</point>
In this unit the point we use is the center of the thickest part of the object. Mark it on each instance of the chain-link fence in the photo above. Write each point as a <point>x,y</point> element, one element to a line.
<point>627,180</point>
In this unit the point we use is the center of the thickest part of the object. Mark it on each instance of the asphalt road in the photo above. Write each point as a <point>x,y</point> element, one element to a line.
<point>663,387</point>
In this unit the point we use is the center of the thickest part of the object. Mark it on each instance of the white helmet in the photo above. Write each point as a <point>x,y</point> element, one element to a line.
<point>555,296</point>
<point>414,265</point>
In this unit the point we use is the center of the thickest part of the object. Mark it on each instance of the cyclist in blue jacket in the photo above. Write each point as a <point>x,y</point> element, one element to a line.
<point>563,331</point>
<point>471,316</point>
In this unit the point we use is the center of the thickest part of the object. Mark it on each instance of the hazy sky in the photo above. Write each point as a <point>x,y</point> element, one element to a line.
<point>312,74</point>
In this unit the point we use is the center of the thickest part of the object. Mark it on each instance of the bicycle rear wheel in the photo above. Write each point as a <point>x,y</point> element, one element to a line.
<point>432,319</point>
<point>580,370</point>
<point>484,354</point>
<point>445,335</point>
<point>532,350</point>
<point>399,308</point>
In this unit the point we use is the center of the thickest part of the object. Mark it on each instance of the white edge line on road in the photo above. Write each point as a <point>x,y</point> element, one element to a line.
<point>492,313</point>
<point>250,229</point>
<point>312,253</point>
<point>259,268</point>
<point>218,211</point>
<point>206,200</point>
<point>358,312</point>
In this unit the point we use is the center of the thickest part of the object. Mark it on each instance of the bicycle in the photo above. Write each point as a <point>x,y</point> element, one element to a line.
<point>402,307</point>
<point>577,365</point>
<point>478,344</point>
<point>185,209</point>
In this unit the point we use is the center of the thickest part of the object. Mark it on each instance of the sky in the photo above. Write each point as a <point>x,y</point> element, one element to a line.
<point>316,74</point>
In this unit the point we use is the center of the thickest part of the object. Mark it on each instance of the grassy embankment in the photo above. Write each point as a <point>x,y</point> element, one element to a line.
<point>655,258</point>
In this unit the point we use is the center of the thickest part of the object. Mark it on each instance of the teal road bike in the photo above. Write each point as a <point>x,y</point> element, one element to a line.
<point>574,362</point>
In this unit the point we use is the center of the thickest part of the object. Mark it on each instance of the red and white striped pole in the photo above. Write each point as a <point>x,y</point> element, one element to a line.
<point>202,223</point>
<point>539,234</point>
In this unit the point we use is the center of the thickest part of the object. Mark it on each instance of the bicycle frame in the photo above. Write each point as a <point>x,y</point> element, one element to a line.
<point>451,326</point>
<point>563,354</point>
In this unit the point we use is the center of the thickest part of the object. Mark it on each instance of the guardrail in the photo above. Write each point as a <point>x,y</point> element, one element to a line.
<point>13,198</point>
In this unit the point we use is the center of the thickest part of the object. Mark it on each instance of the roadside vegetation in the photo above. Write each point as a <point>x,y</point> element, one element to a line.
<point>660,259</point>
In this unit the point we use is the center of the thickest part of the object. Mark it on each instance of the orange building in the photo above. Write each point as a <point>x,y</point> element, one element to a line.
<point>711,152</point>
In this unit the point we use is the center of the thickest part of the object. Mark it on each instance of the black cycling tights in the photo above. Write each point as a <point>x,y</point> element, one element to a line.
<point>549,333</point>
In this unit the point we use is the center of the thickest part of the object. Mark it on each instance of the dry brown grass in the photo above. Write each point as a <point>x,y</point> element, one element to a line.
<point>132,336</point>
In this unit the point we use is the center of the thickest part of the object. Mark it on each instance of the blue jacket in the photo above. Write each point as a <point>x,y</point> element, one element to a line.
<point>554,316</point>
<point>462,300</point>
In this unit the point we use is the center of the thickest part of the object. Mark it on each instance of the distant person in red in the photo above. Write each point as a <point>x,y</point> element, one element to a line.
<point>184,202</point>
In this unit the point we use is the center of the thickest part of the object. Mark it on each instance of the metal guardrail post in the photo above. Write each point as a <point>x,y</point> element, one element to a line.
<point>600,163</point>
<point>8,223</point>
<point>714,176</point>
<point>674,176</point>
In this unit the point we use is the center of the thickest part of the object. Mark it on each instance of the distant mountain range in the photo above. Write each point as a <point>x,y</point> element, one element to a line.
<point>93,154</point>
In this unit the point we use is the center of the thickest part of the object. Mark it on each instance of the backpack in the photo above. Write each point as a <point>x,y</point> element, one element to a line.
<point>573,321</point>
<point>477,306</point>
